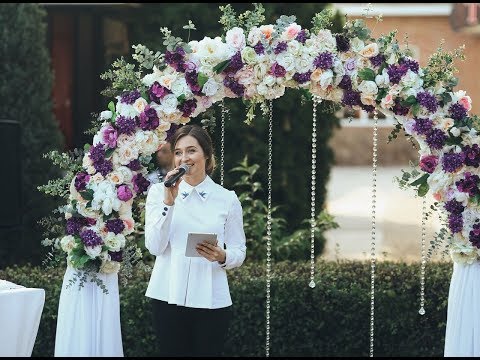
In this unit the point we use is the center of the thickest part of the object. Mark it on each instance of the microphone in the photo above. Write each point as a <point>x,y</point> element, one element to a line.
<point>181,171</point>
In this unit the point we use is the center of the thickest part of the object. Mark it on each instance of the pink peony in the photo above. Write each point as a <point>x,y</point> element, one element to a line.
<point>124,193</point>
<point>466,102</point>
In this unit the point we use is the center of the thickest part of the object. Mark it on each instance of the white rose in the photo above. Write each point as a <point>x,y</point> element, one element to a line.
<point>167,80</point>
<point>463,254</point>
<point>140,104</point>
<point>126,110</point>
<point>291,32</point>
<point>304,63</point>
<point>115,177</point>
<point>287,60</point>
<point>94,251</point>
<point>455,131</point>
<point>126,154</point>
<point>169,104</point>
<point>147,142</point>
<point>324,40</point>
<point>105,115</point>
<point>269,80</point>
<point>326,78</point>
<point>126,173</point>
<point>249,56</point>
<point>369,51</point>
<point>260,71</point>
<point>114,242</point>
<point>109,267</point>
<point>262,89</point>
<point>254,36</point>
<point>411,79</point>
<point>210,87</point>
<point>294,47</point>
<point>438,180</point>
<point>356,45</point>
<point>382,80</point>
<point>368,87</point>
<point>235,38</point>
<point>368,99</point>
<point>67,243</point>
<point>180,87</point>
<point>87,164</point>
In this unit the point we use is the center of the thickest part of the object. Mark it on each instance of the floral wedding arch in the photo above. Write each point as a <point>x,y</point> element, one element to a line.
<point>257,63</point>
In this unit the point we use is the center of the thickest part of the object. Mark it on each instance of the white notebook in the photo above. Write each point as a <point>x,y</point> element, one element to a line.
<point>196,238</point>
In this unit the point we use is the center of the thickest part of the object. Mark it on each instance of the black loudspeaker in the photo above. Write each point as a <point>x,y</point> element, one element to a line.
<point>10,178</point>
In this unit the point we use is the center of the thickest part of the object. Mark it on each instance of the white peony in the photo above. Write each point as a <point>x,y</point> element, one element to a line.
<point>368,87</point>
<point>109,267</point>
<point>93,252</point>
<point>210,87</point>
<point>235,38</point>
<point>114,242</point>
<point>125,110</point>
<point>287,60</point>
<point>357,45</point>
<point>105,115</point>
<point>180,87</point>
<point>326,78</point>
<point>67,243</point>
<point>169,104</point>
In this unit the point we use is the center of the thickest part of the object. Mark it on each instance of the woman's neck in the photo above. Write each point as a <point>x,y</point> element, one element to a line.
<point>194,181</point>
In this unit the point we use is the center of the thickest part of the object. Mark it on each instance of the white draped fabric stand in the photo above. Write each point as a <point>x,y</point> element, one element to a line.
<point>88,321</point>
<point>20,312</point>
<point>462,336</point>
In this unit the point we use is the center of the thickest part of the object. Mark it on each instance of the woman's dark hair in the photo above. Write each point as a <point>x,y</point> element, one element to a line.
<point>203,138</point>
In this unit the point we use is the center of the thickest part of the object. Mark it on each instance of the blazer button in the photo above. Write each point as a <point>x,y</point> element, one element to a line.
<point>163,213</point>
<point>165,208</point>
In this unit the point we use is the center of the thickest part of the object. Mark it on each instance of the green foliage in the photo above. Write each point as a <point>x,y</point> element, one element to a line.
<point>246,20</point>
<point>330,320</point>
<point>295,246</point>
<point>322,20</point>
<point>25,90</point>
<point>121,77</point>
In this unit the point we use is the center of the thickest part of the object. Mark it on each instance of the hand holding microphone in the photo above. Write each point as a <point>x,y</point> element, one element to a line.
<point>172,181</point>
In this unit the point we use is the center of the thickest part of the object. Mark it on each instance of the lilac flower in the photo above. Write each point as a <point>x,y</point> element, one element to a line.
<point>422,126</point>
<point>399,109</point>
<point>457,111</point>
<point>259,48</point>
<point>453,161</point>
<point>75,224</point>
<point>323,61</point>
<point>157,92</point>
<point>455,223</point>
<point>90,238</point>
<point>396,72</point>
<point>104,167</point>
<point>124,193</point>
<point>115,225</point>
<point>130,97</point>
<point>281,47</point>
<point>472,155</point>
<point>351,98</point>
<point>148,119</point>
<point>428,101</point>
<point>302,77</point>
<point>436,139</point>
<point>343,43</point>
<point>232,84</point>
<point>109,136</point>
<point>301,36</point>
<point>188,107</point>
<point>97,153</point>
<point>116,255</point>
<point>81,180</point>
<point>176,59</point>
<point>134,165</point>
<point>191,78</point>
<point>469,184</point>
<point>410,64</point>
<point>474,236</point>
<point>140,184</point>
<point>125,125</point>
<point>235,64</point>
<point>377,60</point>
<point>345,83</point>
<point>278,70</point>
<point>428,163</point>
<point>453,206</point>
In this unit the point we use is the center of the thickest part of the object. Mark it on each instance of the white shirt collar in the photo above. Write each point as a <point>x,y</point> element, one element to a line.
<point>203,189</point>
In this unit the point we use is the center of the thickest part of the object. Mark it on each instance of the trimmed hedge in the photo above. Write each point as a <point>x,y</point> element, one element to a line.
<point>330,320</point>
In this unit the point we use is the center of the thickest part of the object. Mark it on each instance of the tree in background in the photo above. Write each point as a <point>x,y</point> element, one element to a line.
<point>292,121</point>
<point>25,93</point>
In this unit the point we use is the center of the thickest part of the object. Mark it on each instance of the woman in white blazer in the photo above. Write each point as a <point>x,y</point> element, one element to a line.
<point>190,295</point>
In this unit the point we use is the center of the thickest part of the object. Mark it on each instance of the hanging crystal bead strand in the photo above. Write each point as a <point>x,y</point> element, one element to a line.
<point>269,228</point>
<point>222,153</point>
<point>424,261</point>
<point>316,101</point>
<point>372,252</point>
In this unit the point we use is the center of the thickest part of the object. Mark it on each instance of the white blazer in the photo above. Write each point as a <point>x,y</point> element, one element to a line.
<point>205,208</point>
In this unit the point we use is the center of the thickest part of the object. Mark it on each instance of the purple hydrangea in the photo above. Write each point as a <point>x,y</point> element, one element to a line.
<point>410,64</point>
<point>451,162</point>
<point>428,163</point>
<point>302,77</point>
<point>75,224</point>
<point>457,111</point>
<point>130,97</point>
<point>343,43</point>
<point>428,101</point>
<point>134,165</point>
<point>81,180</point>
<point>422,126</point>
<point>140,184</point>
<point>116,255</point>
<point>399,109</point>
<point>472,155</point>
<point>323,61</point>
<point>345,83</point>
<point>455,223</point>
<point>235,64</point>
<point>188,107</point>
<point>302,36</point>
<point>475,236</point>
<point>176,59</point>
<point>115,225</point>
<point>351,98</point>
<point>148,119</point>
<point>97,153</point>
<point>281,47</point>
<point>157,92</point>
<point>232,84</point>
<point>90,238</point>
<point>278,70</point>
<point>469,184</point>
<point>259,48</point>
<point>191,78</point>
<point>104,167</point>
<point>396,72</point>
<point>377,60</point>
<point>125,125</point>
<point>436,139</point>
<point>453,206</point>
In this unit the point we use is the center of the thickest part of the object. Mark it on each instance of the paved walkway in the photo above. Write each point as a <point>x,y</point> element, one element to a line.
<point>398,216</point>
